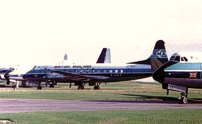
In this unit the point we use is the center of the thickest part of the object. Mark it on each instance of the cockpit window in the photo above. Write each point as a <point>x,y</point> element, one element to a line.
<point>172,58</point>
<point>34,67</point>
<point>182,58</point>
<point>177,58</point>
<point>185,59</point>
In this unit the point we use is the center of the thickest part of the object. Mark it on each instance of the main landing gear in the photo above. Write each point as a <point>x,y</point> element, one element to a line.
<point>39,87</point>
<point>97,86</point>
<point>183,98</point>
<point>81,86</point>
<point>53,84</point>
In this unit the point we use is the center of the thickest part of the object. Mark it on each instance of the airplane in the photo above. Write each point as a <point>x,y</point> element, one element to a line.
<point>15,76</point>
<point>4,70</point>
<point>182,71</point>
<point>95,74</point>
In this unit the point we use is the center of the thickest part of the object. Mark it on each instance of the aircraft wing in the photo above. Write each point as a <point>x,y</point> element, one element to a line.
<point>76,76</point>
<point>79,76</point>
<point>66,73</point>
<point>17,79</point>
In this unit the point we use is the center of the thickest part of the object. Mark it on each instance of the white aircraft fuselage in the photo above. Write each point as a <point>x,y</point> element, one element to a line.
<point>98,73</point>
<point>183,69</point>
<point>88,73</point>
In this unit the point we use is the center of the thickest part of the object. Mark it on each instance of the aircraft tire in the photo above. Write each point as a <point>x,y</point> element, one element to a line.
<point>80,87</point>
<point>39,88</point>
<point>8,82</point>
<point>96,87</point>
<point>182,100</point>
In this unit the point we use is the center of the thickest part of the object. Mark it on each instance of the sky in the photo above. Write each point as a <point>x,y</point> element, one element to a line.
<point>40,32</point>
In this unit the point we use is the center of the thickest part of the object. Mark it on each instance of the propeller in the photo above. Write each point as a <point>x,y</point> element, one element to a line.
<point>6,75</point>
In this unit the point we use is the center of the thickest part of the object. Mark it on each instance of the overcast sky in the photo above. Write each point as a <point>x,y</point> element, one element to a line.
<point>42,31</point>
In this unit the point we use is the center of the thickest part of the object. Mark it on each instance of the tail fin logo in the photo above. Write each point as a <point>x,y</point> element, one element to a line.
<point>161,53</point>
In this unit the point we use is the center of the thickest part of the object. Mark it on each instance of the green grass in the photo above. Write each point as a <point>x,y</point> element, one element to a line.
<point>112,91</point>
<point>107,117</point>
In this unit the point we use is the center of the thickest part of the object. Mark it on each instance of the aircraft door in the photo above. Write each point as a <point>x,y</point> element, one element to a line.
<point>129,71</point>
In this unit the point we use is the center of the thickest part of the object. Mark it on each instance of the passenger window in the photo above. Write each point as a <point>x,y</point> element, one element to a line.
<point>116,71</point>
<point>121,70</point>
<point>110,71</point>
<point>105,71</point>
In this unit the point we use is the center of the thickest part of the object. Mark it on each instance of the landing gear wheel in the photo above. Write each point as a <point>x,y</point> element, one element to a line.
<point>182,100</point>
<point>39,88</point>
<point>96,87</point>
<point>8,82</point>
<point>80,87</point>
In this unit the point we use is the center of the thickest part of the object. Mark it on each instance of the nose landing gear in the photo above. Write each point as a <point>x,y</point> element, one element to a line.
<point>183,98</point>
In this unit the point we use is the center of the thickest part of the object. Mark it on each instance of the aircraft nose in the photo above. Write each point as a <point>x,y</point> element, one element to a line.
<point>24,76</point>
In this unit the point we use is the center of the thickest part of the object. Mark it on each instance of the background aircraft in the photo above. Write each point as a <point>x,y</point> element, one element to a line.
<point>105,56</point>
<point>96,74</point>
<point>15,74</point>
<point>183,71</point>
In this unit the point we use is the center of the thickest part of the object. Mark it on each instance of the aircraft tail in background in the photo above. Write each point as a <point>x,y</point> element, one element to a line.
<point>158,57</point>
<point>105,56</point>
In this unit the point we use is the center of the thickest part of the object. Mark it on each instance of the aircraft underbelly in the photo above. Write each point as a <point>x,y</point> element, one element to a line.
<point>185,82</point>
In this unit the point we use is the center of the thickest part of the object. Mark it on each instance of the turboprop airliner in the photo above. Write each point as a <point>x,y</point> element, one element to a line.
<point>95,74</point>
<point>183,71</point>
<point>15,74</point>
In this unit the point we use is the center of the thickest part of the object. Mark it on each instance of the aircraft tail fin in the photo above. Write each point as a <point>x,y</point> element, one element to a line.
<point>105,56</point>
<point>158,57</point>
<point>65,57</point>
